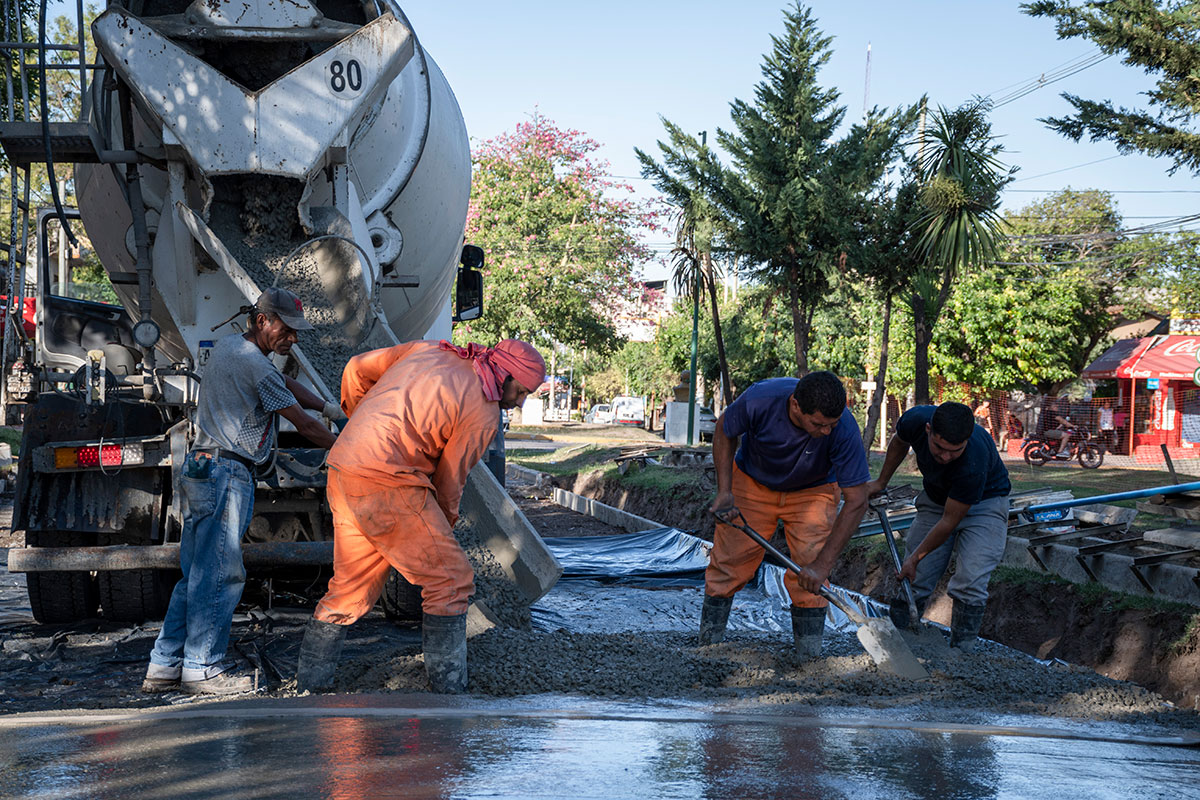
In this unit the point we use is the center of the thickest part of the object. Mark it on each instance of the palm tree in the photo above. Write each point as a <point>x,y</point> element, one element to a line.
<point>961,180</point>
<point>695,273</point>
<point>688,169</point>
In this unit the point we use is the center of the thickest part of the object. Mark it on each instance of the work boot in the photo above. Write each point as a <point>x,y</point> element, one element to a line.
<point>161,679</point>
<point>808,626</point>
<point>965,621</point>
<point>444,640</point>
<point>714,616</point>
<point>319,654</point>
<point>224,683</point>
<point>898,611</point>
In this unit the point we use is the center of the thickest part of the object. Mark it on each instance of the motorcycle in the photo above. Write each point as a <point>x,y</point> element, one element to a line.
<point>1038,449</point>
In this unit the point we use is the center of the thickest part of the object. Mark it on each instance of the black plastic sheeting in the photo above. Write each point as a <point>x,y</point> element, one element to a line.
<point>654,580</point>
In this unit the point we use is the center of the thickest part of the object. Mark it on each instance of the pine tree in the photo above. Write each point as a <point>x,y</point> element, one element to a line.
<point>791,184</point>
<point>1161,37</point>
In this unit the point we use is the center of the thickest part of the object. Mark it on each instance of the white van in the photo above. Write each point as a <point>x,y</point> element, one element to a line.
<point>629,410</point>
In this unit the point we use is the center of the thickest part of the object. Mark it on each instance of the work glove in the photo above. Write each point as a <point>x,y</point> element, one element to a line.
<point>333,412</point>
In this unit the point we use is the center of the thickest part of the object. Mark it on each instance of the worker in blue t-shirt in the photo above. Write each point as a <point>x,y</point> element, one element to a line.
<point>798,451</point>
<point>963,509</point>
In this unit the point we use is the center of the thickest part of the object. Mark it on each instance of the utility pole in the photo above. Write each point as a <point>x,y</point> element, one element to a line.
<point>867,84</point>
<point>691,428</point>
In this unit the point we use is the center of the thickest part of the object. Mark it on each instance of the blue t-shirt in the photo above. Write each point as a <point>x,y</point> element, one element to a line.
<point>976,475</point>
<point>781,456</point>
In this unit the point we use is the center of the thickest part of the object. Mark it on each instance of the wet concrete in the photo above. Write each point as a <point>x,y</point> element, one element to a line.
<point>422,746</point>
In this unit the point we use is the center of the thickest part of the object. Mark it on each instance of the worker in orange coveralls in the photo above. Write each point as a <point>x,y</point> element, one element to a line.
<point>421,416</point>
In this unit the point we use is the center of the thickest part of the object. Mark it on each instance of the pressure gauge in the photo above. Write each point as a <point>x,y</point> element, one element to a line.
<point>146,333</point>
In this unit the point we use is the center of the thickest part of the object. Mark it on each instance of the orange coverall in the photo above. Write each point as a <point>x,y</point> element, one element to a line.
<point>418,423</point>
<point>808,517</point>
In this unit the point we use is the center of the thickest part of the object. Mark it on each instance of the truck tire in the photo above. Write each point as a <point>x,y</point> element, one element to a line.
<point>61,597</point>
<point>401,600</point>
<point>135,595</point>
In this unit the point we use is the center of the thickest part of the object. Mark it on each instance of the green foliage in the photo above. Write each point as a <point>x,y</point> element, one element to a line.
<point>1161,38</point>
<point>958,226</point>
<point>638,369</point>
<point>962,178</point>
<point>89,281</point>
<point>1038,317</point>
<point>561,244</point>
<point>788,194</point>
<point>686,167</point>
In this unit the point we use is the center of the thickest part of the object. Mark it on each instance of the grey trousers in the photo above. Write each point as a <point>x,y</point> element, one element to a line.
<point>978,540</point>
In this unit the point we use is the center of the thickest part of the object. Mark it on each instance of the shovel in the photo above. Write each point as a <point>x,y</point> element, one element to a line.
<point>914,617</point>
<point>878,636</point>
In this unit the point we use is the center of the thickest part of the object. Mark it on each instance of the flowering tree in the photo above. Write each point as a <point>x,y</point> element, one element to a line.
<point>561,239</point>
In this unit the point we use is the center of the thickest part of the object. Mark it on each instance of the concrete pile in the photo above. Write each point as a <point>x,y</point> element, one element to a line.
<point>257,220</point>
<point>762,669</point>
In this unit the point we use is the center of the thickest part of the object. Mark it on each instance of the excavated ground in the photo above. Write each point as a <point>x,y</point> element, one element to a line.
<point>652,655</point>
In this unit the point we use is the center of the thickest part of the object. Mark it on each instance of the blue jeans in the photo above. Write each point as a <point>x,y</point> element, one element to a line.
<point>216,512</point>
<point>979,541</point>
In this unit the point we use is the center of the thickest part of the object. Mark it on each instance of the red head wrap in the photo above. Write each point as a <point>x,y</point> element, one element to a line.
<point>512,357</point>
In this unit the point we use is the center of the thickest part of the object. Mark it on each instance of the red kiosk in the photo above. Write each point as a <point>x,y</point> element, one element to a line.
<point>1157,400</point>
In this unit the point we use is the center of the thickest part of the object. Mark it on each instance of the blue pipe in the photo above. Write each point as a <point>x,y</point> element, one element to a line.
<point>1172,488</point>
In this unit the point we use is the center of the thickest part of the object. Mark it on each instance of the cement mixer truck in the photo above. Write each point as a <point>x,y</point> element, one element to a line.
<point>223,147</point>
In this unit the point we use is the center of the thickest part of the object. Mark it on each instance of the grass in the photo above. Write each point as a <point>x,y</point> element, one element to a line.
<point>12,436</point>
<point>565,461</point>
<point>597,434</point>
<point>1189,632</point>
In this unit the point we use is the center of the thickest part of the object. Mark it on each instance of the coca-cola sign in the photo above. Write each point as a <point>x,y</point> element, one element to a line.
<point>1182,346</point>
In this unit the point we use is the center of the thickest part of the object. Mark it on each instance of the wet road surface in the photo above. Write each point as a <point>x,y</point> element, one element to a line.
<point>422,746</point>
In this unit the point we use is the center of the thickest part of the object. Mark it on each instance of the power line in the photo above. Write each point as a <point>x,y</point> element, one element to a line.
<point>1055,75</point>
<point>1068,169</point>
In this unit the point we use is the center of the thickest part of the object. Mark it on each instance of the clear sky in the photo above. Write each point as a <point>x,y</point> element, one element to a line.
<point>611,69</point>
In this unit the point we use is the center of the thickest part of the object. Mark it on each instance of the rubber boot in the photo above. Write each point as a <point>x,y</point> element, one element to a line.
<point>808,627</point>
<point>898,611</point>
<point>965,621</point>
<point>444,640</point>
<point>714,616</point>
<point>319,654</point>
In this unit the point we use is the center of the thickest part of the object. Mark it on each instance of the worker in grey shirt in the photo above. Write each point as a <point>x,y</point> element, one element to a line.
<point>963,512</point>
<point>240,393</point>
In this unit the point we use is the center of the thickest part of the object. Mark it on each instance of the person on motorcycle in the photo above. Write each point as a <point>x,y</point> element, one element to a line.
<point>1060,417</point>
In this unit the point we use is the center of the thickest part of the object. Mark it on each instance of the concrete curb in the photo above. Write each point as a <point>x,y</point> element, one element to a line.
<point>610,515</point>
<point>1115,571</point>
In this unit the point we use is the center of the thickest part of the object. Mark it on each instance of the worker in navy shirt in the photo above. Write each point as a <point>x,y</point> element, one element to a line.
<point>963,509</point>
<point>798,451</point>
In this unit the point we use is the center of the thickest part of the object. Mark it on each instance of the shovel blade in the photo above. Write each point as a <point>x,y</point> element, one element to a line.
<point>889,651</point>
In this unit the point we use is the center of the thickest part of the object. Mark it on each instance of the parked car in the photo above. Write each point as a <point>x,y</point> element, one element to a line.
<point>629,410</point>
<point>706,422</point>
<point>601,413</point>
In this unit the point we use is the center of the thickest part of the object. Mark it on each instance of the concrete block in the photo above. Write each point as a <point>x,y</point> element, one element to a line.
<point>1176,537</point>
<point>503,529</point>
<point>607,514</point>
<point>1182,509</point>
<point>1115,571</point>
<point>1104,514</point>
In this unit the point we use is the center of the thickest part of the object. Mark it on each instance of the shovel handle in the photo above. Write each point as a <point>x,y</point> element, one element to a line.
<point>891,542</point>
<point>845,607</point>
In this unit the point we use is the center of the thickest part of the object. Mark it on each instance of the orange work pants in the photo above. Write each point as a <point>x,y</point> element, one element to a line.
<point>377,526</point>
<point>807,516</point>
